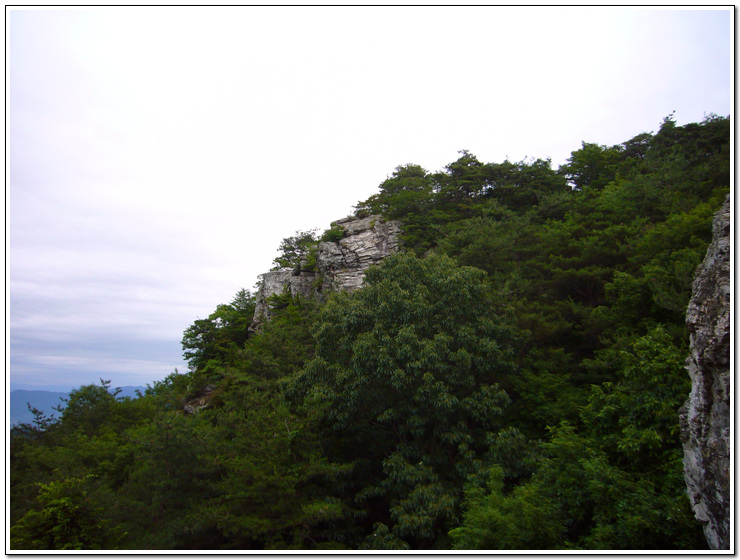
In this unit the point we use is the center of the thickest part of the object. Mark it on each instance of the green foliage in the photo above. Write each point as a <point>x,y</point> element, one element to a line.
<point>294,249</point>
<point>406,195</point>
<point>309,264</point>
<point>283,344</point>
<point>499,245</point>
<point>636,415</point>
<point>604,507</point>
<point>512,382</point>
<point>592,167</point>
<point>521,520</point>
<point>522,186</point>
<point>87,406</point>
<point>382,539</point>
<point>335,234</point>
<point>269,495</point>
<point>67,519</point>
<point>406,370</point>
<point>225,330</point>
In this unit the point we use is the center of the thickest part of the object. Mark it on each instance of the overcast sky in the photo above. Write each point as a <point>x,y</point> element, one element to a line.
<point>156,157</point>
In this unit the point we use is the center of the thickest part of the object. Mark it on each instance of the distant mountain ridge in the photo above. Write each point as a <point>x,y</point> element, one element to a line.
<point>46,401</point>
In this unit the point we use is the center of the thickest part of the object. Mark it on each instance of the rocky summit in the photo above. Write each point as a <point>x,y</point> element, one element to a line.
<point>340,265</point>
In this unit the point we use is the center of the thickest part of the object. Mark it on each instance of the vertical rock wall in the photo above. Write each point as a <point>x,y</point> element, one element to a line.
<point>705,417</point>
<point>340,265</point>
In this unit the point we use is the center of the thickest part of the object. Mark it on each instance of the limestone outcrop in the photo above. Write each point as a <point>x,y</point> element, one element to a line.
<point>705,417</point>
<point>340,265</point>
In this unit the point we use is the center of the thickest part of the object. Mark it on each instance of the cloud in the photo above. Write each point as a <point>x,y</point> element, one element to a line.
<point>66,364</point>
<point>157,156</point>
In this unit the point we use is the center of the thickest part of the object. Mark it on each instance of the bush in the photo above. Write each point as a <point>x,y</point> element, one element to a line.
<point>334,234</point>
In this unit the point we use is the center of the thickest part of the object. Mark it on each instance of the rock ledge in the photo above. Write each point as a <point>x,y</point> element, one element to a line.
<point>340,265</point>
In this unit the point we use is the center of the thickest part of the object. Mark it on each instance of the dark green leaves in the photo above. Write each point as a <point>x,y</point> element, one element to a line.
<point>294,249</point>
<point>224,330</point>
<point>408,363</point>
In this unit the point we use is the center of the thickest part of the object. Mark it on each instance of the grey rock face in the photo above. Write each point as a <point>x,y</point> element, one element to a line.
<point>705,417</point>
<point>340,265</point>
<point>201,401</point>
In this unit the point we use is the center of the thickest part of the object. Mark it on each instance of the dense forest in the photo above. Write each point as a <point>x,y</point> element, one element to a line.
<point>509,380</point>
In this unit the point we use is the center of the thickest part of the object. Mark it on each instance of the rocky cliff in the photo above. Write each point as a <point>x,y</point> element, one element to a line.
<point>705,417</point>
<point>340,265</point>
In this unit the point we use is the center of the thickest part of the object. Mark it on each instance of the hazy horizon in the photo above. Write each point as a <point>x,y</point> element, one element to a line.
<point>157,156</point>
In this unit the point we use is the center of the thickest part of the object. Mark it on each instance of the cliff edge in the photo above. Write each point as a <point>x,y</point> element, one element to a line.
<point>340,265</point>
<point>705,417</point>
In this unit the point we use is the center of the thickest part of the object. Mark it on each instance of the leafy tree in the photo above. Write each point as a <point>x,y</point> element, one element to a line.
<point>294,249</point>
<point>167,474</point>
<point>500,246</point>
<point>463,179</point>
<point>30,462</point>
<point>41,423</point>
<point>406,374</point>
<point>274,489</point>
<point>523,185</point>
<point>592,167</point>
<point>521,520</point>
<point>67,519</point>
<point>635,416</point>
<point>284,343</point>
<point>401,194</point>
<point>225,330</point>
<point>406,195</point>
<point>168,393</point>
<point>604,507</point>
<point>88,407</point>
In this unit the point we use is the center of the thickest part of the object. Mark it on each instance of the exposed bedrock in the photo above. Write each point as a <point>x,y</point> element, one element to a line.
<point>705,417</point>
<point>340,265</point>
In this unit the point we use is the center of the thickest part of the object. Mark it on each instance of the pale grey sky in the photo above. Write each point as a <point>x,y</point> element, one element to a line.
<point>157,156</point>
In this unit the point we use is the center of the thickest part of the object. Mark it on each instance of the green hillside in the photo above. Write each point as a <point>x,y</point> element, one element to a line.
<point>509,380</point>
